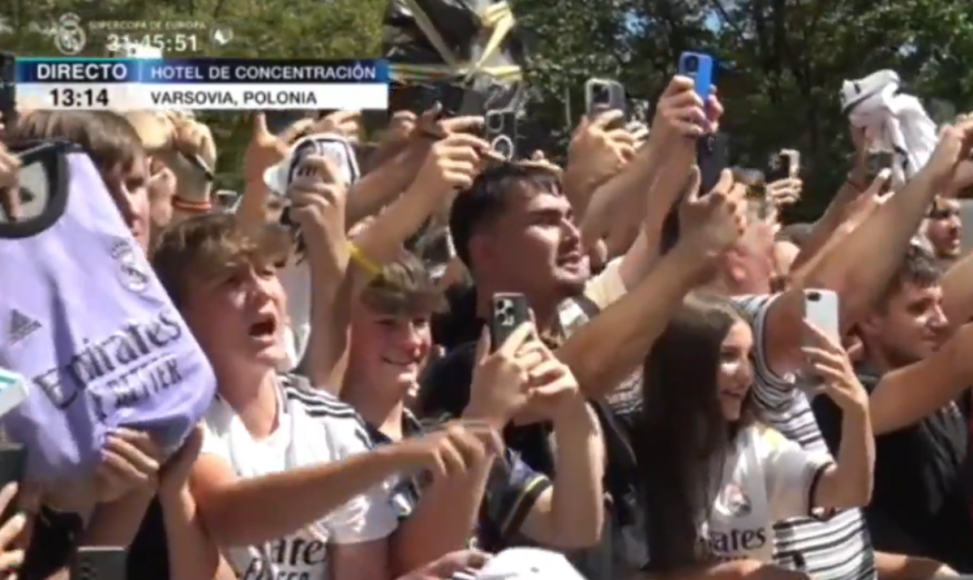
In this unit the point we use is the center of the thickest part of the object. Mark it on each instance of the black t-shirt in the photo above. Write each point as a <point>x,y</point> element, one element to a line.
<point>56,534</point>
<point>460,323</point>
<point>921,501</point>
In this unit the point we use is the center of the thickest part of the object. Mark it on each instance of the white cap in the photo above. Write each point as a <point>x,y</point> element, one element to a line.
<point>334,147</point>
<point>528,564</point>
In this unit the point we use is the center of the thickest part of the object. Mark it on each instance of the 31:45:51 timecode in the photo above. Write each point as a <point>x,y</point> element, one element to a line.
<point>78,98</point>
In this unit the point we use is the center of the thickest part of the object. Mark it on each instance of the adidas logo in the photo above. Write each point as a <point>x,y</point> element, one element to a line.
<point>21,326</point>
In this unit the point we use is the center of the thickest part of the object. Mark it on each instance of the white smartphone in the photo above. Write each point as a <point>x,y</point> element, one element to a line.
<point>821,310</point>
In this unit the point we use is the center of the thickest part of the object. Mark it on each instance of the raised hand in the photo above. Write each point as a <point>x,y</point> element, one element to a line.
<point>538,159</point>
<point>9,184</point>
<point>680,112</point>
<point>433,124</point>
<point>784,191</point>
<point>344,123</point>
<point>452,451</point>
<point>554,391</point>
<point>451,164</point>
<point>715,221</point>
<point>266,149</point>
<point>870,200</point>
<point>10,558</point>
<point>317,197</point>
<point>951,160</point>
<point>829,361</point>
<point>501,379</point>
<point>130,462</point>
<point>599,148</point>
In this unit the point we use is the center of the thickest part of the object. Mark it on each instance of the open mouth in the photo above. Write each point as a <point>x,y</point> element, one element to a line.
<point>734,395</point>
<point>265,328</point>
<point>397,362</point>
<point>570,259</point>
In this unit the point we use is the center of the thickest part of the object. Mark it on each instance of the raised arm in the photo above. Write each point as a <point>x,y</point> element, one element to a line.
<point>318,207</point>
<point>882,239</point>
<point>896,402</point>
<point>612,345</point>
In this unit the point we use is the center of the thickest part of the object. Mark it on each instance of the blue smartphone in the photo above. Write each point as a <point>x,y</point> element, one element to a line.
<point>699,67</point>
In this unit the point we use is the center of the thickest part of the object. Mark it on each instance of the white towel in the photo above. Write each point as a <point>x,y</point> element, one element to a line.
<point>896,121</point>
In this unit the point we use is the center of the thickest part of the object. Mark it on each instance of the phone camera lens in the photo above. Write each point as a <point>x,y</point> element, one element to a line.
<point>504,147</point>
<point>692,64</point>
<point>495,123</point>
<point>600,95</point>
<point>813,296</point>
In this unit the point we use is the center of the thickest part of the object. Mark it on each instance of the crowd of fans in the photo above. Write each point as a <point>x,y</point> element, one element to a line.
<point>667,410</point>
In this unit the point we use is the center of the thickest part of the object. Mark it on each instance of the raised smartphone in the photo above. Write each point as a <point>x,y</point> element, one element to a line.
<point>602,95</point>
<point>712,157</point>
<point>510,310</point>
<point>784,164</point>
<point>699,67</point>
<point>821,310</point>
<point>501,133</point>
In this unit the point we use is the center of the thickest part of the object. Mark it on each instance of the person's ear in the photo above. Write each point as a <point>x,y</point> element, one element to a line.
<point>871,325</point>
<point>481,250</point>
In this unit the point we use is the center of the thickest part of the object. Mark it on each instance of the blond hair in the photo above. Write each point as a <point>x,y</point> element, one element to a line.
<point>206,246</point>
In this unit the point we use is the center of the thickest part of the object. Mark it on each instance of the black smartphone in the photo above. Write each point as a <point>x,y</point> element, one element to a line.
<point>510,310</point>
<point>13,461</point>
<point>712,157</point>
<point>99,563</point>
<point>876,161</point>
<point>778,168</point>
<point>8,88</point>
<point>501,133</point>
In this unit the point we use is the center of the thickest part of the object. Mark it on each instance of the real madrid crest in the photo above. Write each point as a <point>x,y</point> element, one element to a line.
<point>69,37</point>
<point>132,269</point>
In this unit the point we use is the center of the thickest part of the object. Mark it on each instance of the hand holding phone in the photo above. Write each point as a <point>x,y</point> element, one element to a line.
<point>510,310</point>
<point>699,67</point>
<point>501,133</point>
<point>821,310</point>
<point>602,95</point>
<point>877,160</point>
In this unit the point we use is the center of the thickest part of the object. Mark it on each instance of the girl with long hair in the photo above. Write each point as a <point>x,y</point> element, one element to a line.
<point>714,478</point>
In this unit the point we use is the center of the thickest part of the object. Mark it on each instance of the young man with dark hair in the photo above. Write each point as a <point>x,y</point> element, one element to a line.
<point>922,498</point>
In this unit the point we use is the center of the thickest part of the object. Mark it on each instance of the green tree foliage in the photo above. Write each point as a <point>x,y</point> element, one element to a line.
<point>786,58</point>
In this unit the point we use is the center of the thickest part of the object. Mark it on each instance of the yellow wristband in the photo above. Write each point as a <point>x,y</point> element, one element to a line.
<point>363,261</point>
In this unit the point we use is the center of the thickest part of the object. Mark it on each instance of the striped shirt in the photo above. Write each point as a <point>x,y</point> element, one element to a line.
<point>832,549</point>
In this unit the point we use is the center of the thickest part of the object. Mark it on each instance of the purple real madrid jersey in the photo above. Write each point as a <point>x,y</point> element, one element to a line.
<point>84,318</point>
